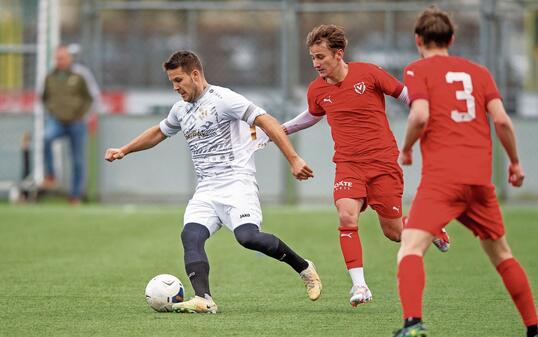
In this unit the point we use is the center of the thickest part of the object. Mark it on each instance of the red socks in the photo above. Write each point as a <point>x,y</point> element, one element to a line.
<point>411,281</point>
<point>350,243</point>
<point>516,282</point>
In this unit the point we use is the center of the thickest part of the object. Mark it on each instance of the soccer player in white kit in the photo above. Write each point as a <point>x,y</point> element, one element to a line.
<point>219,127</point>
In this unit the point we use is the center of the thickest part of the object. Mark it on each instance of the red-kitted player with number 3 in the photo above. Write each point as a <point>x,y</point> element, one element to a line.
<point>451,99</point>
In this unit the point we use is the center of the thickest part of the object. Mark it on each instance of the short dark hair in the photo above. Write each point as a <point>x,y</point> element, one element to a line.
<point>333,35</point>
<point>435,26</point>
<point>185,59</point>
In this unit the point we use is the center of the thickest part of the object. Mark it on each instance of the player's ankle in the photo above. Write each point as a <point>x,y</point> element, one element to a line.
<point>411,321</point>
<point>532,330</point>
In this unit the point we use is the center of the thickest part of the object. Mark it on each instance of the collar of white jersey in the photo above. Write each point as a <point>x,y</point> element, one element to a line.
<point>202,94</point>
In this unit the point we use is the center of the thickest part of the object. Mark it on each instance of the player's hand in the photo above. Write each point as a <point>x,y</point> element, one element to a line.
<point>406,157</point>
<point>285,129</point>
<point>113,154</point>
<point>300,170</point>
<point>515,175</point>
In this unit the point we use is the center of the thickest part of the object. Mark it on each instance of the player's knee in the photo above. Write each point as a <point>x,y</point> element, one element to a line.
<point>393,234</point>
<point>347,219</point>
<point>194,235</point>
<point>248,236</point>
<point>392,228</point>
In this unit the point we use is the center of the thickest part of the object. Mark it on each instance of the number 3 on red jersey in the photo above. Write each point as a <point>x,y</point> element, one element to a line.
<point>464,94</point>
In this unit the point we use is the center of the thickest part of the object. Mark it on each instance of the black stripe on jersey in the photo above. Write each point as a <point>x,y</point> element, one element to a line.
<point>250,110</point>
<point>171,126</point>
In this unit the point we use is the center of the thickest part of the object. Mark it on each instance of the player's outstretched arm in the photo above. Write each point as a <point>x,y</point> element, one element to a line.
<point>272,128</point>
<point>416,123</point>
<point>505,132</point>
<point>302,121</point>
<point>144,141</point>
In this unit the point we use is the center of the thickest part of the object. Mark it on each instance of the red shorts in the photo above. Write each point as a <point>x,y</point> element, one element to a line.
<point>475,206</point>
<point>380,184</point>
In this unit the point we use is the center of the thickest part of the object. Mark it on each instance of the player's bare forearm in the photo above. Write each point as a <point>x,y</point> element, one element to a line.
<point>274,130</point>
<point>504,129</point>
<point>416,123</point>
<point>505,132</point>
<point>412,134</point>
<point>144,141</point>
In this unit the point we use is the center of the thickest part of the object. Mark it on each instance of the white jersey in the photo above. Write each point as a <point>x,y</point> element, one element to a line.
<point>219,131</point>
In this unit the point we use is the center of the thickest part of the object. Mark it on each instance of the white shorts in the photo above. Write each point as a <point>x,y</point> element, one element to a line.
<point>231,201</point>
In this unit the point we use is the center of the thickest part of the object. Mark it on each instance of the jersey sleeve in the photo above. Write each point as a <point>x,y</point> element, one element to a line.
<point>235,106</point>
<point>386,82</point>
<point>416,83</point>
<point>490,88</point>
<point>171,124</point>
<point>313,107</point>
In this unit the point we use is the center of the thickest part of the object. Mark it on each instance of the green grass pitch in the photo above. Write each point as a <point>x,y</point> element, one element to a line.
<point>82,272</point>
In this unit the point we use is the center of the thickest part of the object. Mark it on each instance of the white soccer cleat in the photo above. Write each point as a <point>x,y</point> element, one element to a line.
<point>359,295</point>
<point>196,305</point>
<point>311,281</point>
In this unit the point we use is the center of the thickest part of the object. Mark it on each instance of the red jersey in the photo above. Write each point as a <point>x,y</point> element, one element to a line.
<point>355,110</point>
<point>456,144</point>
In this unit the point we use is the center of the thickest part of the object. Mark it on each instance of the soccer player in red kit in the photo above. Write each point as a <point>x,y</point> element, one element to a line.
<point>352,95</point>
<point>450,99</point>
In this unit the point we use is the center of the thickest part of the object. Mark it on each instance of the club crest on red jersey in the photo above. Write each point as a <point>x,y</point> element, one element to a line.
<point>360,88</point>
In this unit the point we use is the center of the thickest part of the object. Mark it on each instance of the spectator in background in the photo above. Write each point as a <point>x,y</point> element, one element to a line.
<point>69,92</point>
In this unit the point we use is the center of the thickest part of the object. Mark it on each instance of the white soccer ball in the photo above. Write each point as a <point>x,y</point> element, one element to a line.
<point>163,291</point>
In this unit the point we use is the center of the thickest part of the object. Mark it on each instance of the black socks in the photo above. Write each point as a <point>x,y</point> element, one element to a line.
<point>532,331</point>
<point>287,255</point>
<point>249,236</point>
<point>411,321</point>
<point>193,238</point>
<point>198,273</point>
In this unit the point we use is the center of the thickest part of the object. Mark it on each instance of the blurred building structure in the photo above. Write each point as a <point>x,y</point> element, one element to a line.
<point>256,48</point>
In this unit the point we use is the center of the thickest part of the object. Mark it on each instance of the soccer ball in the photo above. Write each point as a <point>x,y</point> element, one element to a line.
<point>163,291</point>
